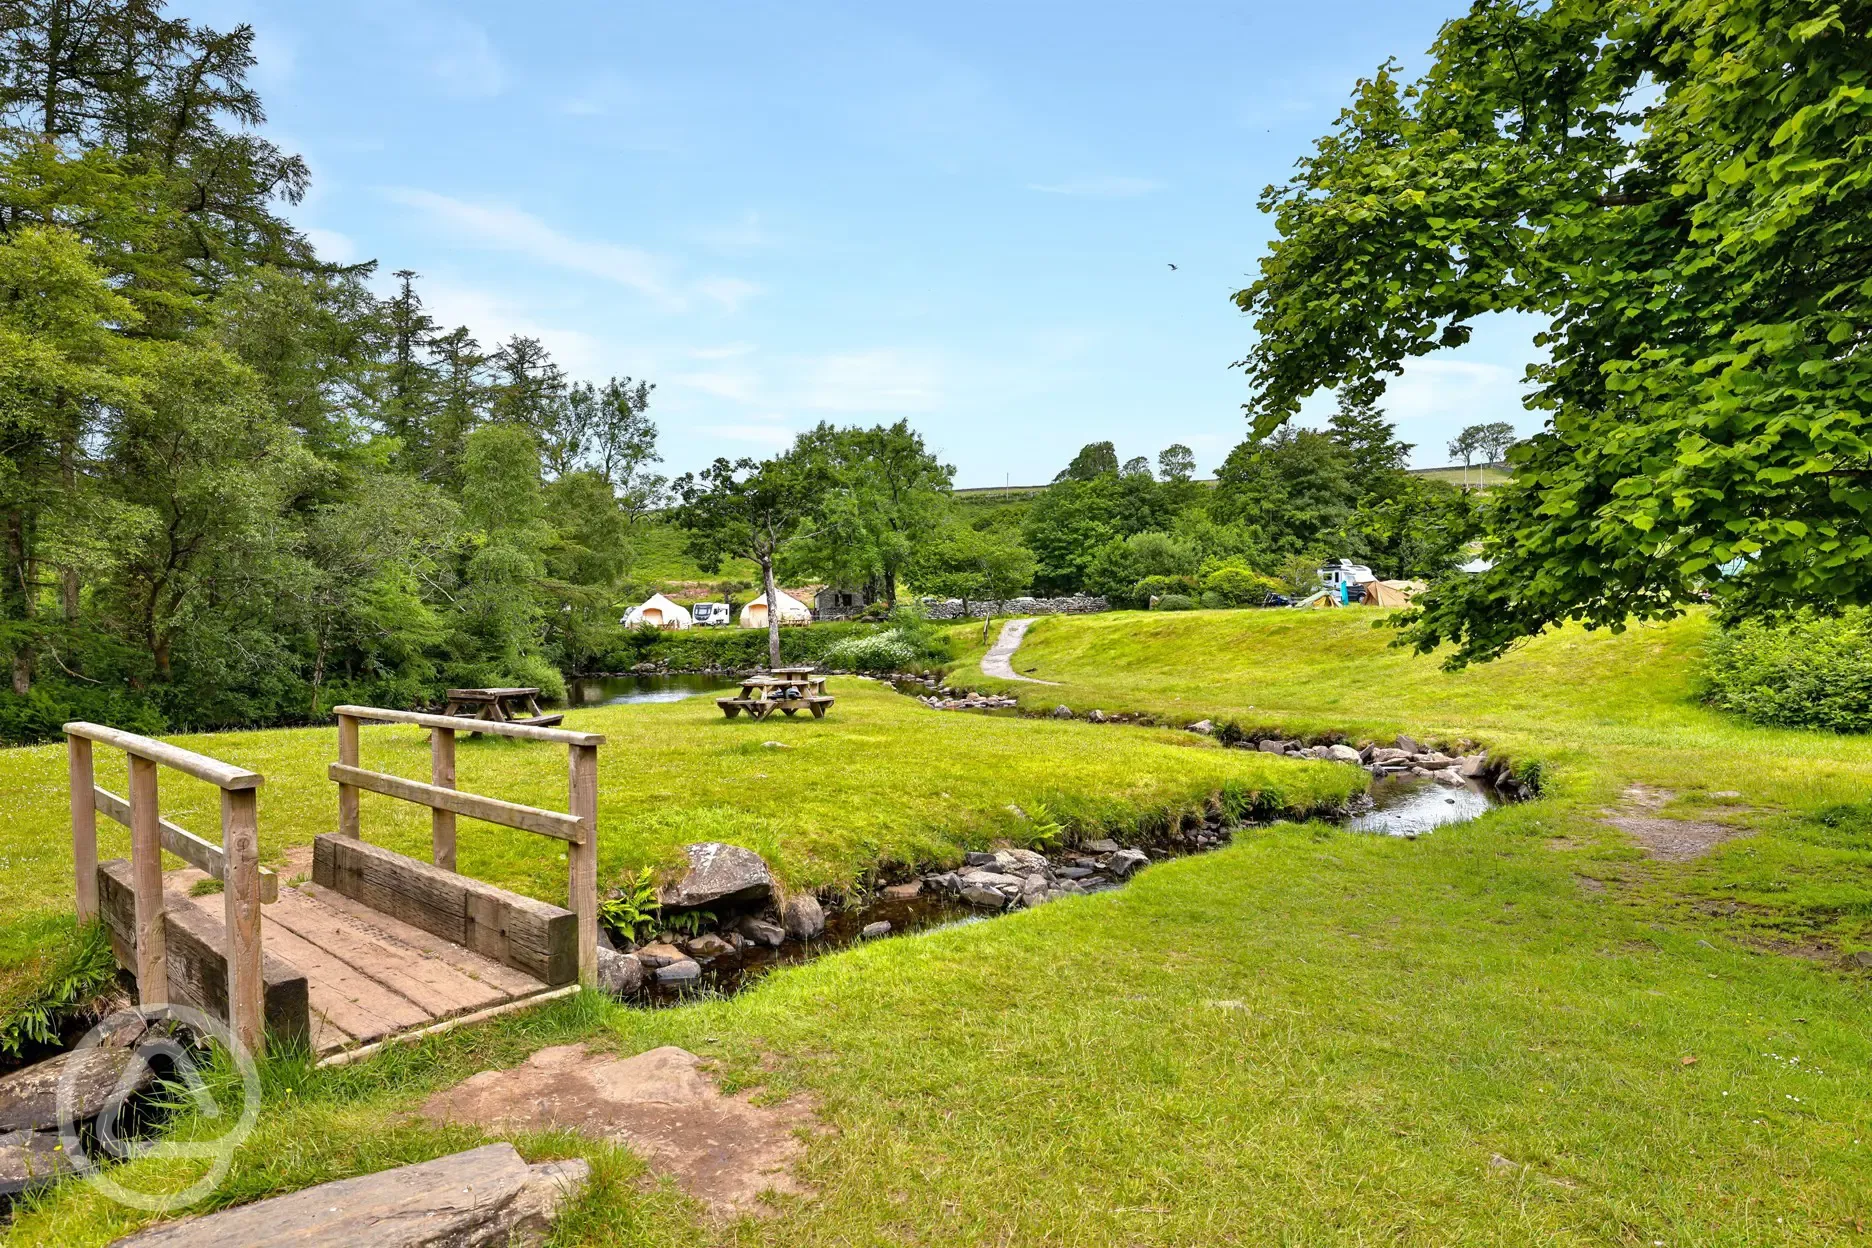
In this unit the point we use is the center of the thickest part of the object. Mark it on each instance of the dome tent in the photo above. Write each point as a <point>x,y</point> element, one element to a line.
<point>792,611</point>
<point>658,612</point>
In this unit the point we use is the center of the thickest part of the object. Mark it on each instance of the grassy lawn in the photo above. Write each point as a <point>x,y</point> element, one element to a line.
<point>1518,1031</point>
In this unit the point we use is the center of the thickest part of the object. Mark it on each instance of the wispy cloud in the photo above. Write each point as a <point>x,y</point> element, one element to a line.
<point>333,247</point>
<point>501,228</point>
<point>729,292</point>
<point>1107,187</point>
<point>881,380</point>
<point>462,58</point>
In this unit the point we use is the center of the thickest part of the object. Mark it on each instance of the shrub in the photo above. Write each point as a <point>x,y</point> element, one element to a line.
<point>890,651</point>
<point>1808,672</point>
<point>1176,602</point>
<point>1158,586</point>
<point>1213,601</point>
<point>1236,583</point>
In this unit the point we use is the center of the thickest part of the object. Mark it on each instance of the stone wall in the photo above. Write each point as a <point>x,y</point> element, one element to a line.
<point>1078,604</point>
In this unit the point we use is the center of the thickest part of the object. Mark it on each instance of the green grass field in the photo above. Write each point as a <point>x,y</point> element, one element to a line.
<point>1516,1031</point>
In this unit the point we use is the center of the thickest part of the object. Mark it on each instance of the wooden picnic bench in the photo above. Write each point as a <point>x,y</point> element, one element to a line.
<point>502,706</point>
<point>788,690</point>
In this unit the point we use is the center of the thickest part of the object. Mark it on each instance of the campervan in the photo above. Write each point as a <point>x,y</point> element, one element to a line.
<point>712,614</point>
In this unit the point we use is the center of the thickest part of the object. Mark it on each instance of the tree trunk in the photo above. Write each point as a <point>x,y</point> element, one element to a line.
<point>773,611</point>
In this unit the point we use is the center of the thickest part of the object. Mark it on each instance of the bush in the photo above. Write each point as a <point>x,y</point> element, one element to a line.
<point>1237,584</point>
<point>889,651</point>
<point>1159,586</point>
<point>1176,602</point>
<point>1808,672</point>
<point>41,714</point>
<point>1213,601</point>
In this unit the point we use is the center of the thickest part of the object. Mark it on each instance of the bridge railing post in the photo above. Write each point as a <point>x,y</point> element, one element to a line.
<point>240,872</point>
<point>347,794</point>
<point>146,850</point>
<point>582,859</point>
<point>442,775</point>
<point>83,824</point>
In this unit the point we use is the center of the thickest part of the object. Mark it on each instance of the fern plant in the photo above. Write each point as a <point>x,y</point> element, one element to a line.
<point>1048,832</point>
<point>634,912</point>
<point>80,973</point>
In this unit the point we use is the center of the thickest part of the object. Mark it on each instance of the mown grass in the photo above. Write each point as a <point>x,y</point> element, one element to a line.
<point>1512,1032</point>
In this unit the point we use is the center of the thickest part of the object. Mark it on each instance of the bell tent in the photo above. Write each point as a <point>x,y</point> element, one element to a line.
<point>658,612</point>
<point>792,611</point>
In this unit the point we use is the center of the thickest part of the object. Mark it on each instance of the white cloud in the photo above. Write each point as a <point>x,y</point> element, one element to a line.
<point>492,319</point>
<point>463,60</point>
<point>881,380</point>
<point>333,247</point>
<point>735,387</point>
<point>727,351</point>
<point>502,228</point>
<point>761,435</point>
<point>1100,187</point>
<point>743,235</point>
<point>729,292</point>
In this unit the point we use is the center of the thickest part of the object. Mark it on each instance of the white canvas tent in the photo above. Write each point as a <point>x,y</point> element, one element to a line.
<point>658,612</point>
<point>792,611</point>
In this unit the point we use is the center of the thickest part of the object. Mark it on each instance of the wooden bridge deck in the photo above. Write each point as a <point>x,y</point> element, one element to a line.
<point>370,976</point>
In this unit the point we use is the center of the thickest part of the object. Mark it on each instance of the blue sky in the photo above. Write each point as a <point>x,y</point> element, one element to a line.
<point>958,214</point>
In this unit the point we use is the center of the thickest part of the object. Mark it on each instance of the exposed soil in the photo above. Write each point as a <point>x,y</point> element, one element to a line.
<point>723,1150</point>
<point>1667,840</point>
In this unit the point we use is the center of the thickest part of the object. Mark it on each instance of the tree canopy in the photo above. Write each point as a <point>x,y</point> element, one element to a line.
<point>1682,189</point>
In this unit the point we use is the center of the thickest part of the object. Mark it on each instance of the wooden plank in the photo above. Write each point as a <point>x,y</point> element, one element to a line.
<point>484,695</point>
<point>240,899</point>
<point>558,736</point>
<point>456,957</point>
<point>449,1024</point>
<point>582,856</point>
<point>347,756</point>
<point>487,809</point>
<point>184,844</point>
<point>528,935</point>
<point>363,1007</point>
<point>540,721</point>
<point>83,824</point>
<point>213,770</point>
<point>152,971</point>
<point>442,775</point>
<point>196,943</point>
<point>431,983</point>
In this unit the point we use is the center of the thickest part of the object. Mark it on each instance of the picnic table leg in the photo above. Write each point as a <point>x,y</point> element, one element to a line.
<point>818,710</point>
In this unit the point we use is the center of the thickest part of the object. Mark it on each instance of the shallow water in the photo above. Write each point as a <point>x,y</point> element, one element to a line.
<point>588,691</point>
<point>1412,805</point>
<point>1405,806</point>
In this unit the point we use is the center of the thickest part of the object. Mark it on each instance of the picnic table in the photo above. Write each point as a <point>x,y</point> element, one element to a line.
<point>503,706</point>
<point>785,689</point>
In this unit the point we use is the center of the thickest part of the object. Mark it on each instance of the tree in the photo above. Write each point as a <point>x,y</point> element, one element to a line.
<point>1293,487</point>
<point>1093,460</point>
<point>1679,189</point>
<point>975,565</point>
<point>890,494</point>
<point>1374,456</point>
<point>1065,527</point>
<point>609,431</point>
<point>1138,466</point>
<point>1464,447</point>
<point>1494,439</point>
<point>1177,463</point>
<point>754,510</point>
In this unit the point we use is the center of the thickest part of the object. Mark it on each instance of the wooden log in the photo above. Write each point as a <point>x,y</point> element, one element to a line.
<point>348,756</point>
<point>442,775</point>
<point>582,857</point>
<point>83,824</point>
<point>487,809</point>
<point>558,736</point>
<point>240,895</point>
<point>516,931</point>
<point>213,770</point>
<point>146,866</point>
<point>184,844</point>
<point>196,944</point>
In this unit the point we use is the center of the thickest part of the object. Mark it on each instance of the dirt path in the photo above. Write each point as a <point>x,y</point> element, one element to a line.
<point>998,661</point>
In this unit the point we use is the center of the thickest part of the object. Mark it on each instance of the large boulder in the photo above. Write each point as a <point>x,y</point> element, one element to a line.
<point>1126,862</point>
<point>761,932</point>
<point>718,875</point>
<point>1343,754</point>
<point>485,1196</point>
<point>803,917</point>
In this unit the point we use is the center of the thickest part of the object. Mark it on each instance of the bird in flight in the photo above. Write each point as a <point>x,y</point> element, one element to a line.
<point>1172,266</point>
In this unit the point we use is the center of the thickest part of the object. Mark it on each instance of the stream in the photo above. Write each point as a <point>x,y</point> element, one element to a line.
<point>1402,806</point>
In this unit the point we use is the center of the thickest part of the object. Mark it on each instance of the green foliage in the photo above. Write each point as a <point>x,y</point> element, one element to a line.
<point>1235,584</point>
<point>886,498</point>
<point>689,922</point>
<point>1679,190</point>
<point>878,652</point>
<point>63,976</point>
<point>1811,671</point>
<point>632,909</point>
<point>1094,460</point>
<point>975,565</point>
<point>1150,587</point>
<point>1176,602</point>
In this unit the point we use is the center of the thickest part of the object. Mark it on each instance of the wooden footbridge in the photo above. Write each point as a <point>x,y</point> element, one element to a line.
<point>378,946</point>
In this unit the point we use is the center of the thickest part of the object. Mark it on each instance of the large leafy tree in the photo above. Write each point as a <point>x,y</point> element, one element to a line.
<point>756,510</point>
<point>890,495</point>
<point>1682,190</point>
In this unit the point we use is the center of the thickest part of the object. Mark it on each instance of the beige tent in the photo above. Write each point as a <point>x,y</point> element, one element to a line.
<point>792,611</point>
<point>658,612</point>
<point>1389,593</point>
<point>1318,599</point>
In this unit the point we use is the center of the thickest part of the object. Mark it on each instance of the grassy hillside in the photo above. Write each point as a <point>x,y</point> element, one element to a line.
<point>1516,1031</point>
